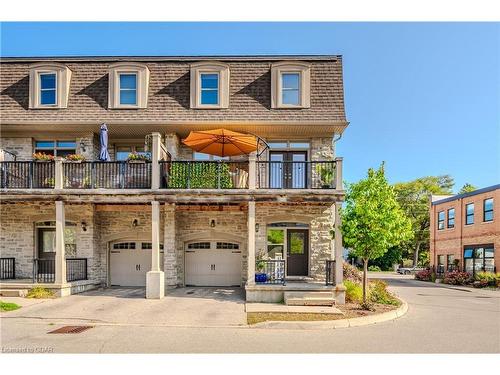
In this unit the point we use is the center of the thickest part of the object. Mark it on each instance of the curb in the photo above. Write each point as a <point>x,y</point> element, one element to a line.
<point>340,323</point>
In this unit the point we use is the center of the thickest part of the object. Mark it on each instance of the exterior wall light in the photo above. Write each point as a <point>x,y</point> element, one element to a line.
<point>84,226</point>
<point>257,227</point>
<point>212,223</point>
<point>135,223</point>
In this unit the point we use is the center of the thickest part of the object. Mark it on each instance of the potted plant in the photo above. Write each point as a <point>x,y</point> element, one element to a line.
<point>42,157</point>
<point>74,158</point>
<point>135,157</point>
<point>260,276</point>
<point>325,172</point>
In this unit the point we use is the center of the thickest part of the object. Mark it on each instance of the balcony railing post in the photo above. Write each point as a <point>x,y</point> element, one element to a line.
<point>338,174</point>
<point>31,166</point>
<point>252,171</point>
<point>155,158</point>
<point>58,171</point>
<point>218,173</point>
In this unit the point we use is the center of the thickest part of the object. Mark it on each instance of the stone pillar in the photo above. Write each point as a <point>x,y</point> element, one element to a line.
<point>155,158</point>
<point>155,279</point>
<point>58,173</point>
<point>339,269</point>
<point>60,259</point>
<point>251,244</point>
<point>169,246</point>
<point>252,170</point>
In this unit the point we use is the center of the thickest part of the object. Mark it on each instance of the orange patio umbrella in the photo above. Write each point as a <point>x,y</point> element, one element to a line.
<point>221,142</point>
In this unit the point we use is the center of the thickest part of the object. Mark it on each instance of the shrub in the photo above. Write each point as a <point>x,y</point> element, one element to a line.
<point>374,269</point>
<point>200,175</point>
<point>483,279</point>
<point>138,156</point>
<point>8,306</point>
<point>457,278</point>
<point>378,293</point>
<point>354,291</point>
<point>425,275</point>
<point>351,273</point>
<point>40,292</point>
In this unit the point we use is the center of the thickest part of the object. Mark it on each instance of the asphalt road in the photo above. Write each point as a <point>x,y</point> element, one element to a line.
<point>439,320</point>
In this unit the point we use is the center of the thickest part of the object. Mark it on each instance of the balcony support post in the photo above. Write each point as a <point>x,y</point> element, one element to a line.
<point>338,252</point>
<point>339,185</point>
<point>251,244</point>
<point>155,161</point>
<point>60,259</point>
<point>58,171</point>
<point>252,171</point>
<point>155,279</point>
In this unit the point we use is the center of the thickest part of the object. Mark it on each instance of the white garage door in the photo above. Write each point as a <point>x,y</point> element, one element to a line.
<point>213,264</point>
<point>129,262</point>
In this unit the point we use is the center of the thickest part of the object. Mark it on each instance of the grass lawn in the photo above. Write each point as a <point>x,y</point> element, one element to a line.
<point>7,306</point>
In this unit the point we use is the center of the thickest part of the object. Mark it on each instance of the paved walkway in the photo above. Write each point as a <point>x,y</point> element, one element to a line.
<point>439,320</point>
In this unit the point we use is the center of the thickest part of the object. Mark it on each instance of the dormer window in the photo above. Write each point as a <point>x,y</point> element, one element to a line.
<point>290,85</point>
<point>209,88</point>
<point>209,85</point>
<point>128,86</point>
<point>49,86</point>
<point>128,89</point>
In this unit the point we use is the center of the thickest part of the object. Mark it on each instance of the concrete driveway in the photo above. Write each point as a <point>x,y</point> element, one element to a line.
<point>193,307</point>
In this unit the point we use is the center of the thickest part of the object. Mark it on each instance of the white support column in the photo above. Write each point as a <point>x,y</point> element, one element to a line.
<point>339,268</point>
<point>155,158</point>
<point>339,185</point>
<point>155,279</point>
<point>58,173</point>
<point>251,244</point>
<point>60,259</point>
<point>252,171</point>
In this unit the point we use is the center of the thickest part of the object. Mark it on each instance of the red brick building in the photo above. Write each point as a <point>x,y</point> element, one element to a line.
<point>465,231</point>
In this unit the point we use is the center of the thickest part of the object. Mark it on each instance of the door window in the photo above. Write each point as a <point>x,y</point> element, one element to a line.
<point>297,243</point>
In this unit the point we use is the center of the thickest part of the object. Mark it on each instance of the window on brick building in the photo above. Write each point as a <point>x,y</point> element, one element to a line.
<point>479,258</point>
<point>451,218</point>
<point>469,214</point>
<point>450,262</point>
<point>488,209</point>
<point>56,148</point>
<point>440,220</point>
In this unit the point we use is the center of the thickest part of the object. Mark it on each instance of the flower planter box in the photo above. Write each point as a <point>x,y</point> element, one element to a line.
<point>136,161</point>
<point>260,277</point>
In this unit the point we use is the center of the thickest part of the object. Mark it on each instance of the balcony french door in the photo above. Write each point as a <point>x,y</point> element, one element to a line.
<point>288,170</point>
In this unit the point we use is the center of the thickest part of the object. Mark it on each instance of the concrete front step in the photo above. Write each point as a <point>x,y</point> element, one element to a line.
<point>13,292</point>
<point>309,298</point>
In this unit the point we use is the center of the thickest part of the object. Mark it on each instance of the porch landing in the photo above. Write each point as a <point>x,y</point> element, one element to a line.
<point>254,307</point>
<point>275,293</point>
<point>7,287</point>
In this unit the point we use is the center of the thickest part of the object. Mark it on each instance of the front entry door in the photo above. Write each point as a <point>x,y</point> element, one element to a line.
<point>46,243</point>
<point>288,170</point>
<point>297,252</point>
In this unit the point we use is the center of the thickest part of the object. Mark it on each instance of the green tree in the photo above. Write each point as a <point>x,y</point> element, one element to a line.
<point>413,197</point>
<point>372,221</point>
<point>467,188</point>
<point>391,257</point>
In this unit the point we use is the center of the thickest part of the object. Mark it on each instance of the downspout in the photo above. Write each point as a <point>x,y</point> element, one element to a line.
<point>333,143</point>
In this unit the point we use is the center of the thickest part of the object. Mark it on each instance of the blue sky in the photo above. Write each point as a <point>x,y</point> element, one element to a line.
<point>423,97</point>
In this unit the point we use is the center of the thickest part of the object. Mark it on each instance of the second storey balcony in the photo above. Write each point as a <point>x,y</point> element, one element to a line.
<point>172,175</point>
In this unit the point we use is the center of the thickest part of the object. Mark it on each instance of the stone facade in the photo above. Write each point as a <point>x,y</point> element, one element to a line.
<point>22,147</point>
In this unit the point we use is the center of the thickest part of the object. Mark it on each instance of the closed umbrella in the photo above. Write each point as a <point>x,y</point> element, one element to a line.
<point>103,139</point>
<point>221,142</point>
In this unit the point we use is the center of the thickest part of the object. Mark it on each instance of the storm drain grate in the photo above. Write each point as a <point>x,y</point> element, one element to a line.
<point>71,329</point>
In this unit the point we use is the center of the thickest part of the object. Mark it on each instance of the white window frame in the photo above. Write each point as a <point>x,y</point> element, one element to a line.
<point>39,77</point>
<point>290,67</point>
<point>142,85</point>
<point>120,88</point>
<point>63,79</point>
<point>209,67</point>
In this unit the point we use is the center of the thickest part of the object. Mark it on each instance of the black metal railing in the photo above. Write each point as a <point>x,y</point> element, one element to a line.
<point>270,271</point>
<point>440,270</point>
<point>329,272</point>
<point>27,174</point>
<point>107,175</point>
<point>204,174</point>
<point>7,268</point>
<point>452,268</point>
<point>44,270</point>
<point>296,174</point>
<point>76,269</point>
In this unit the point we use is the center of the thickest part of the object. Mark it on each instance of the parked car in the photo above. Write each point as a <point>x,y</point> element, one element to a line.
<point>409,270</point>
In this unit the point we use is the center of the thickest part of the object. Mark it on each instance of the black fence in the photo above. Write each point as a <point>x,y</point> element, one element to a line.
<point>296,174</point>
<point>76,269</point>
<point>7,268</point>
<point>204,174</point>
<point>270,271</point>
<point>27,174</point>
<point>44,270</point>
<point>329,272</point>
<point>107,175</point>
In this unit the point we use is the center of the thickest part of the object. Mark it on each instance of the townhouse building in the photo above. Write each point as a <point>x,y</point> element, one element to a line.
<point>465,231</point>
<point>99,188</point>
